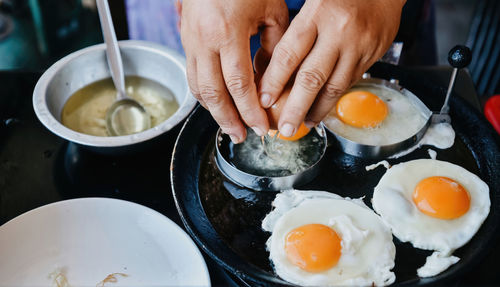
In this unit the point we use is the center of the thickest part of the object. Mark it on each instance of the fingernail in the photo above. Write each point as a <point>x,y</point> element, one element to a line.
<point>258,131</point>
<point>234,139</point>
<point>310,124</point>
<point>265,100</point>
<point>287,130</point>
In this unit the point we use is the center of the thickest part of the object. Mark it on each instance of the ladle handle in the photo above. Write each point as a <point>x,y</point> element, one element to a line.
<point>112,51</point>
<point>458,57</point>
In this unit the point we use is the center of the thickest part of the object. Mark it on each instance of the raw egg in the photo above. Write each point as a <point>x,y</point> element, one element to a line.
<point>273,115</point>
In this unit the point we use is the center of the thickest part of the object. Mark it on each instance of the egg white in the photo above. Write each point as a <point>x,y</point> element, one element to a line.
<point>367,249</point>
<point>439,135</point>
<point>392,199</point>
<point>403,120</point>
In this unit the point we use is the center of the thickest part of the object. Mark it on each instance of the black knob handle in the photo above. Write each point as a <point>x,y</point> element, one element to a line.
<point>459,56</point>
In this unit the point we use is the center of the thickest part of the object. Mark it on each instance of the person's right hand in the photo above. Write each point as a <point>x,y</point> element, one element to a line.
<point>326,49</point>
<point>215,35</point>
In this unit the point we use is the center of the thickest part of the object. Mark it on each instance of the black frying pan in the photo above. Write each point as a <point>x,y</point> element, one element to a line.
<point>224,219</point>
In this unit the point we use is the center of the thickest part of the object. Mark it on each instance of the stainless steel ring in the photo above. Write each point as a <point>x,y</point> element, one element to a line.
<point>384,151</point>
<point>265,183</point>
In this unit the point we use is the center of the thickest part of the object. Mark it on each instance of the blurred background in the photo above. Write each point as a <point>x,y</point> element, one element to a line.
<point>36,33</point>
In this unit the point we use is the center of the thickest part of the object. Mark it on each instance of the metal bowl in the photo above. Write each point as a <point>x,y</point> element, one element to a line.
<point>83,67</point>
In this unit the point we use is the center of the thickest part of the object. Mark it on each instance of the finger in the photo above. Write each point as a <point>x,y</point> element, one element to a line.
<point>335,87</point>
<point>238,75</point>
<point>260,62</point>
<point>271,34</point>
<point>274,28</point>
<point>364,63</point>
<point>213,92</point>
<point>192,79</point>
<point>311,76</point>
<point>287,56</point>
<point>357,74</point>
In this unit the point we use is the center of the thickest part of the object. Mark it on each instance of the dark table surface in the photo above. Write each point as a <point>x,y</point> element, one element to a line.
<point>38,168</point>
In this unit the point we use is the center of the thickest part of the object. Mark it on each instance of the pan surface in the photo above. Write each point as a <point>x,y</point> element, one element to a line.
<point>224,219</point>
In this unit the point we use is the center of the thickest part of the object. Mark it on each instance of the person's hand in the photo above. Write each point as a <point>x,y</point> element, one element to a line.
<point>330,44</point>
<point>215,35</point>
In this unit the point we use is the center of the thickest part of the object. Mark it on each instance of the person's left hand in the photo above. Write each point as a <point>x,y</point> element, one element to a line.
<point>330,44</point>
<point>215,35</point>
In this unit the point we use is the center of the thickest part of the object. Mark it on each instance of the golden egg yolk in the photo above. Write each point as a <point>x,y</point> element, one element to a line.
<point>313,247</point>
<point>301,132</point>
<point>441,197</point>
<point>361,109</point>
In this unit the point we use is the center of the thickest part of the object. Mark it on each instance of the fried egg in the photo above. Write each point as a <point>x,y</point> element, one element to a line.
<point>321,239</point>
<point>375,115</point>
<point>435,205</point>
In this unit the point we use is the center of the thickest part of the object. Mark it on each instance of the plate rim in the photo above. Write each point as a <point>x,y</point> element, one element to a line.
<point>150,212</point>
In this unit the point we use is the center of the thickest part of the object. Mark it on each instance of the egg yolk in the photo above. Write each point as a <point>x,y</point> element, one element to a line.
<point>441,197</point>
<point>361,109</point>
<point>313,247</point>
<point>301,132</point>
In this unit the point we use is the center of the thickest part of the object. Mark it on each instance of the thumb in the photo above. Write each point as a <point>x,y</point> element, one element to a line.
<point>260,62</point>
<point>275,25</point>
<point>271,32</point>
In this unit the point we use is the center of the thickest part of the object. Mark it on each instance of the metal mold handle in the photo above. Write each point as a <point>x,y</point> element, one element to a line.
<point>458,57</point>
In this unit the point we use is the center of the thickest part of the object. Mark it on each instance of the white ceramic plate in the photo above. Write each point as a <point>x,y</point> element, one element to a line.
<point>85,240</point>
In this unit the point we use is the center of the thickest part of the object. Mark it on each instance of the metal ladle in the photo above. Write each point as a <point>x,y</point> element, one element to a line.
<point>125,116</point>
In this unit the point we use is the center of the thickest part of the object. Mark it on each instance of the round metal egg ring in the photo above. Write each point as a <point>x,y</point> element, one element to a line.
<point>383,151</point>
<point>267,183</point>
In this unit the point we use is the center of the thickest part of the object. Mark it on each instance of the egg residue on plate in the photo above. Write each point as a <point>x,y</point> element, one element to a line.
<point>321,239</point>
<point>375,115</point>
<point>435,205</point>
